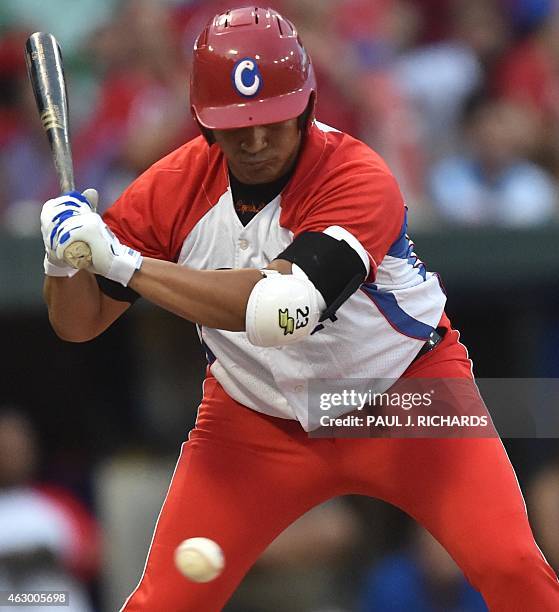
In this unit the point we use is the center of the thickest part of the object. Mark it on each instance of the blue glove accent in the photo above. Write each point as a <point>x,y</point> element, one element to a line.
<point>78,196</point>
<point>69,203</point>
<point>64,238</point>
<point>62,216</point>
<point>67,212</point>
<point>59,219</point>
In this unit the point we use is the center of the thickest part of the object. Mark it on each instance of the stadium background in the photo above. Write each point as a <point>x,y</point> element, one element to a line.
<point>462,99</point>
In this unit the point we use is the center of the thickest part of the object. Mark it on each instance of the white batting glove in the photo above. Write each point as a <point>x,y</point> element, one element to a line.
<point>109,257</point>
<point>53,214</point>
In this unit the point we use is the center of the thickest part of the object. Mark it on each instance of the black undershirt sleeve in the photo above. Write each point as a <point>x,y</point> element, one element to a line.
<point>116,291</point>
<point>332,266</point>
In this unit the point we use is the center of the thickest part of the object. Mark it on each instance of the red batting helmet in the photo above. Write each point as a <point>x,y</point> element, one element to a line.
<point>250,68</point>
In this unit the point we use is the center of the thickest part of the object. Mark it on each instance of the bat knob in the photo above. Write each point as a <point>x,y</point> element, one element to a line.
<point>78,255</point>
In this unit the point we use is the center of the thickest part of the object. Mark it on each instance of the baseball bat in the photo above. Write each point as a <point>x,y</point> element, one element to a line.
<point>46,73</point>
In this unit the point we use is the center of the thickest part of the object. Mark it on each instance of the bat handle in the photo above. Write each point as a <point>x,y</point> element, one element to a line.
<point>67,183</point>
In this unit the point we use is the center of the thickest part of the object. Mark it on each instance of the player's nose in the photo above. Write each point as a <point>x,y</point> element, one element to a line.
<point>254,139</point>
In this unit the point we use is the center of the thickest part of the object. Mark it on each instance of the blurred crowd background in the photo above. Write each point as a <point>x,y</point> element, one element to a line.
<point>461,97</point>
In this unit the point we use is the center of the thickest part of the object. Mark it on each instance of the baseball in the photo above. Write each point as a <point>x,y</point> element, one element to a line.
<point>199,559</point>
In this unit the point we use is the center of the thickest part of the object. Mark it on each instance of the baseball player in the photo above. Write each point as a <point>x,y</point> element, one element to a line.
<point>285,241</point>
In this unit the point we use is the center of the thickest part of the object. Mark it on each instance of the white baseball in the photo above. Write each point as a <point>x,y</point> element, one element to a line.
<point>199,559</point>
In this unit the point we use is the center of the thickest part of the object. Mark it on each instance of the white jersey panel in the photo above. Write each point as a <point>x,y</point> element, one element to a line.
<point>395,272</point>
<point>220,240</point>
<point>378,331</point>
<point>245,372</point>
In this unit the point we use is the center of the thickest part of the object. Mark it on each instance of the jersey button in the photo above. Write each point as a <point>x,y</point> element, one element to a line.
<point>243,244</point>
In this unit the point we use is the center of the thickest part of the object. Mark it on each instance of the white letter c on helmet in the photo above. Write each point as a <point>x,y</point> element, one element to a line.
<point>246,77</point>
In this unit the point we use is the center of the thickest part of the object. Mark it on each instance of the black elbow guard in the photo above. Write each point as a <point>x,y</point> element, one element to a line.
<point>332,265</point>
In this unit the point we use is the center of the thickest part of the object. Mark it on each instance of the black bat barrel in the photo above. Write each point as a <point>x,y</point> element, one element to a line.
<point>46,72</point>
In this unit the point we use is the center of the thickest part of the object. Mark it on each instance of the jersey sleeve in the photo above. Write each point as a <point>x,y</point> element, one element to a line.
<point>134,220</point>
<point>364,200</point>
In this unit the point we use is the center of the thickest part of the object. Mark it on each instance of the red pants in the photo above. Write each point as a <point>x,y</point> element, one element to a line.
<point>243,477</point>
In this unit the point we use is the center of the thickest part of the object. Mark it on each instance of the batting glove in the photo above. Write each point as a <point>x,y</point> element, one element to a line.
<point>109,257</point>
<point>53,215</point>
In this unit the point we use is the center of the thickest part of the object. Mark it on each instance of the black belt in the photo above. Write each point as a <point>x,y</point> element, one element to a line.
<point>436,336</point>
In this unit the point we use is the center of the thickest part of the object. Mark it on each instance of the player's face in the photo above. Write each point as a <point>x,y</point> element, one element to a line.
<point>260,153</point>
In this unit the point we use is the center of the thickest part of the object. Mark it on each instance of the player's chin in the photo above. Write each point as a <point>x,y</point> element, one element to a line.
<point>256,173</point>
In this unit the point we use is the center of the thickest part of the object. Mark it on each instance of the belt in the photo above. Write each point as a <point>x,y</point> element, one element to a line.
<point>436,336</point>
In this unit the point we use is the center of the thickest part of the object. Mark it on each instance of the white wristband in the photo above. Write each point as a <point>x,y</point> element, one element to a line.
<point>60,271</point>
<point>124,265</point>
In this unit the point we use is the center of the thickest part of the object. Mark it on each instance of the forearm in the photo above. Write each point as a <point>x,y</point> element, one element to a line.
<point>214,298</point>
<point>74,306</point>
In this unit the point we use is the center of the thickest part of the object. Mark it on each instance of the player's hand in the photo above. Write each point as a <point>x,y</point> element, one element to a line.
<point>109,257</point>
<point>53,214</point>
